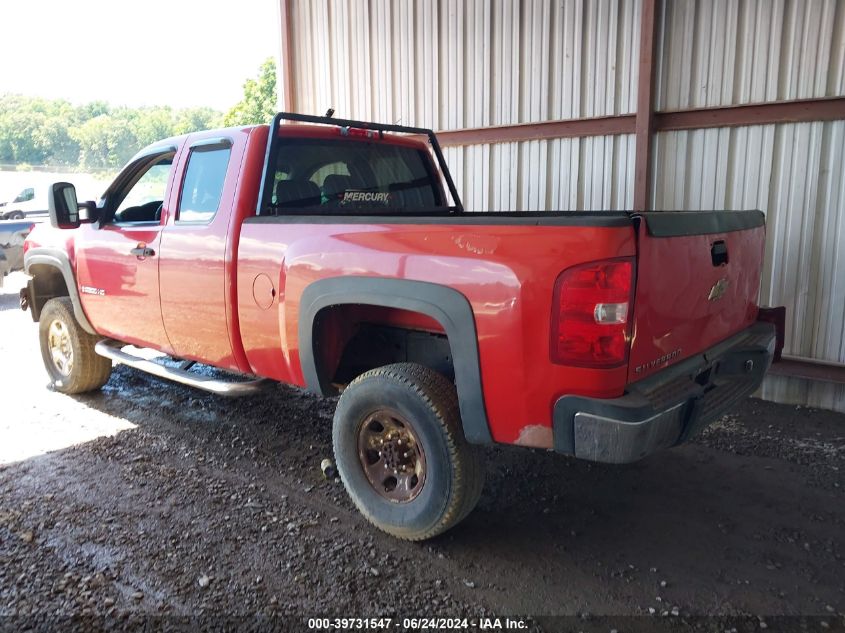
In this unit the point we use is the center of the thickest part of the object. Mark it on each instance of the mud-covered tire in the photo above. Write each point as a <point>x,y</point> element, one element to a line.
<point>454,472</point>
<point>58,328</point>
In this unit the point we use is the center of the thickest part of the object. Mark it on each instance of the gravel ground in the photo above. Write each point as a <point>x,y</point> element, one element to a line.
<point>152,499</point>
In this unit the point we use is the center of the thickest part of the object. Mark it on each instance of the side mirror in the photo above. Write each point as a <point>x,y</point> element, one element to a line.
<point>63,206</point>
<point>91,212</point>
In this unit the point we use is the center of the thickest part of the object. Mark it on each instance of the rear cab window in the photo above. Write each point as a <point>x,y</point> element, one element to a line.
<point>340,176</point>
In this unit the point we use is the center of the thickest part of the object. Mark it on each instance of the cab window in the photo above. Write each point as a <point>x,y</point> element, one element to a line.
<point>142,197</point>
<point>203,184</point>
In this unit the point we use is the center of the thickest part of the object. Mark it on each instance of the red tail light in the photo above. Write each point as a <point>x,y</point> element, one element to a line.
<point>591,314</point>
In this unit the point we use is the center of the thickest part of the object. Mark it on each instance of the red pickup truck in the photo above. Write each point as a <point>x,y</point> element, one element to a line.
<point>336,255</point>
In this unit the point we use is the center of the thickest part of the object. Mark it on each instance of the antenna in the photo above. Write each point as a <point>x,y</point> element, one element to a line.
<point>329,113</point>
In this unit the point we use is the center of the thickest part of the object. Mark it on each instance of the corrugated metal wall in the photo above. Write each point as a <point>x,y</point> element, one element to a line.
<point>452,64</point>
<point>565,174</point>
<point>724,52</point>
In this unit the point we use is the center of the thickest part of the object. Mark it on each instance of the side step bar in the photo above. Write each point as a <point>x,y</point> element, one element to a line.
<point>113,349</point>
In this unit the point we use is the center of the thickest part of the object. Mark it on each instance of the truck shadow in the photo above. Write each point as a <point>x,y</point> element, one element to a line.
<point>701,520</point>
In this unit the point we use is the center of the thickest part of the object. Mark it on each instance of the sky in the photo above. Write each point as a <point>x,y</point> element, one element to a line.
<point>181,53</point>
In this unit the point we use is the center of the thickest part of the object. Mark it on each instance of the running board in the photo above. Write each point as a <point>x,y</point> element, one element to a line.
<point>113,349</point>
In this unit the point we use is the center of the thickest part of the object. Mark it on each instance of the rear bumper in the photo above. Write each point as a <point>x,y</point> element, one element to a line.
<point>668,408</point>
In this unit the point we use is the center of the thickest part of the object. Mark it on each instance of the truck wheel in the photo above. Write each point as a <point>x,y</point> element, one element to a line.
<point>401,452</point>
<point>16,215</point>
<point>68,350</point>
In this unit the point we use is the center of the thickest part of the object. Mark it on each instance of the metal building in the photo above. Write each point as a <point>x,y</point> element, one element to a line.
<point>618,104</point>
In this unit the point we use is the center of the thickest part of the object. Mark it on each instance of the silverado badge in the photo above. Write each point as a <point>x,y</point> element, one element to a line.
<point>718,290</point>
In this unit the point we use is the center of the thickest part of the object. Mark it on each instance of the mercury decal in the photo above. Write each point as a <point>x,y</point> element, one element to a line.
<point>88,290</point>
<point>365,196</point>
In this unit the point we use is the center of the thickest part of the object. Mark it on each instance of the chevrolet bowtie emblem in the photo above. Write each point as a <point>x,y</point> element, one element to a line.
<point>718,290</point>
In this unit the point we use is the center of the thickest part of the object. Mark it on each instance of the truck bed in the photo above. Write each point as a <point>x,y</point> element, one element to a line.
<point>506,265</point>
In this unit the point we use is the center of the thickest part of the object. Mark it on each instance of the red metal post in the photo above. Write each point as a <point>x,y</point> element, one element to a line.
<point>645,106</point>
<point>286,66</point>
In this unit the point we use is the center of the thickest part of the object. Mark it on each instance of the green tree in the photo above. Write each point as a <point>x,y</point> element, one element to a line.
<point>149,125</point>
<point>59,146</point>
<point>37,131</point>
<point>193,119</point>
<point>259,102</point>
<point>105,141</point>
<point>23,141</point>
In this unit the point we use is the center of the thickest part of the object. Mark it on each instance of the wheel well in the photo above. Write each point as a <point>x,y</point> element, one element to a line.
<point>47,283</point>
<point>353,338</point>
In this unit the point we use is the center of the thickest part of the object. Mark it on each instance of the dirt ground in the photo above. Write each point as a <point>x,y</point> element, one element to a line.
<point>150,498</point>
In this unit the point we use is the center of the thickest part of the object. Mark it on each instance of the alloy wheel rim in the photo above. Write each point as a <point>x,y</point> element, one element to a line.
<point>61,350</point>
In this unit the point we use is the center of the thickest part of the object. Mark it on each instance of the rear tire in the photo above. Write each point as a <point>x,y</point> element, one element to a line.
<point>401,452</point>
<point>68,351</point>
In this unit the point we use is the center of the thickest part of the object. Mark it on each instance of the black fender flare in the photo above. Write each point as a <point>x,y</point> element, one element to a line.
<point>447,306</point>
<point>58,259</point>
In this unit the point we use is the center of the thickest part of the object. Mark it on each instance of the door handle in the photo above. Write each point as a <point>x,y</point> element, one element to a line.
<point>142,251</point>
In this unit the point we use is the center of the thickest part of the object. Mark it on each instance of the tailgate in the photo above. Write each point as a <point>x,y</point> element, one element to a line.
<point>698,275</point>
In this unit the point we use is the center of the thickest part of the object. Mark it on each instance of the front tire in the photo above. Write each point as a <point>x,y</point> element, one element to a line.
<point>401,453</point>
<point>68,351</point>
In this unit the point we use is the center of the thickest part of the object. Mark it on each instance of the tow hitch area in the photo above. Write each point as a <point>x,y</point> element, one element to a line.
<point>24,298</point>
<point>777,316</point>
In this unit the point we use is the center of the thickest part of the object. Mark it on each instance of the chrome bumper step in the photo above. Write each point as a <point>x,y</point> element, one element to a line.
<point>114,350</point>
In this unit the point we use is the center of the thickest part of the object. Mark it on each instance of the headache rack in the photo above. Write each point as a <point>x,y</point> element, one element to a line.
<point>265,192</point>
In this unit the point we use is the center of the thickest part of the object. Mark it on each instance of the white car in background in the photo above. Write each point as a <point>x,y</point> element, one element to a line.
<point>30,201</point>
